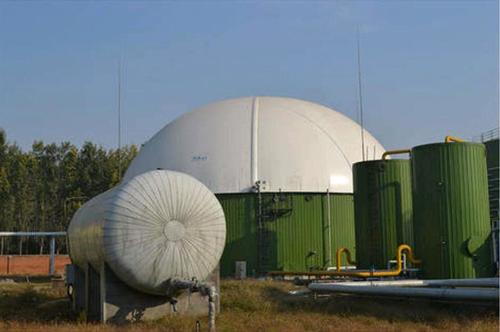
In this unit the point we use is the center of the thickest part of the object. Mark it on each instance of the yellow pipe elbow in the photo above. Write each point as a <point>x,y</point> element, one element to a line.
<point>386,273</point>
<point>339,257</point>
<point>449,139</point>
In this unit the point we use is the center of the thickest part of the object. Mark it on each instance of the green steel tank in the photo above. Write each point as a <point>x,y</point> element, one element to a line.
<point>383,210</point>
<point>451,212</point>
<point>285,231</point>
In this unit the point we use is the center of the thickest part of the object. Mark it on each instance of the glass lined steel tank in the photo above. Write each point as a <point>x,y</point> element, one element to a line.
<point>451,212</point>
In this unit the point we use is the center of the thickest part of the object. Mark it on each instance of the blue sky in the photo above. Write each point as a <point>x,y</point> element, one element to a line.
<point>429,68</point>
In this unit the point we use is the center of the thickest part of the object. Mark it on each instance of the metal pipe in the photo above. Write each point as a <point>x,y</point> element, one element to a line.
<point>212,293</point>
<point>449,139</point>
<point>32,233</point>
<point>361,274</point>
<point>52,256</point>
<point>329,227</point>
<point>339,257</point>
<point>434,293</point>
<point>391,152</point>
<point>393,261</point>
<point>481,282</point>
<point>206,290</point>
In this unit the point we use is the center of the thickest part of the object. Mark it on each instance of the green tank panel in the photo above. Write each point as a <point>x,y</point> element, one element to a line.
<point>241,232</point>
<point>383,210</point>
<point>451,210</point>
<point>342,226</point>
<point>295,231</point>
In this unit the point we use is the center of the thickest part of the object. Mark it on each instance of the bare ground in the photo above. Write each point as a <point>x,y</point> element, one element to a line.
<point>255,306</point>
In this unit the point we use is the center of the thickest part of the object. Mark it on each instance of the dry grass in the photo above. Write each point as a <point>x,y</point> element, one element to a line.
<point>255,306</point>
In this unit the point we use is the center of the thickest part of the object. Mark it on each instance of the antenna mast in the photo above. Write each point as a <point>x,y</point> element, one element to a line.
<point>119,118</point>
<point>360,97</point>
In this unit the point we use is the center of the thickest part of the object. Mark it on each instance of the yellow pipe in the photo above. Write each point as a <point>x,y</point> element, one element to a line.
<point>390,152</point>
<point>339,257</point>
<point>363,274</point>
<point>449,139</point>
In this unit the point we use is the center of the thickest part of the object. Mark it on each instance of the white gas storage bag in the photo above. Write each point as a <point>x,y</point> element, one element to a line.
<point>157,227</point>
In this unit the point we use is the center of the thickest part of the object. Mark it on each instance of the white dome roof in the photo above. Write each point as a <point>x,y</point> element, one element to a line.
<point>291,144</point>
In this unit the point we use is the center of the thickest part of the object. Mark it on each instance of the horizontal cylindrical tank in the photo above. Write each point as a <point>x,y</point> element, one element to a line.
<point>158,226</point>
<point>451,214</point>
<point>383,210</point>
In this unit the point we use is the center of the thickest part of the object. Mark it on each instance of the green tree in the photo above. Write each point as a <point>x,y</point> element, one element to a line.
<point>41,189</point>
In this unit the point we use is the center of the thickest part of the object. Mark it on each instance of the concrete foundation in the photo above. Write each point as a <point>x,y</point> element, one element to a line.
<point>102,296</point>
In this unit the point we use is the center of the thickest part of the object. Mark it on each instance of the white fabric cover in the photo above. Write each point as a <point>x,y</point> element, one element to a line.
<point>159,225</point>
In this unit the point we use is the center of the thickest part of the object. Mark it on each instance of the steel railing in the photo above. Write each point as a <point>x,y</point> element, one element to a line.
<point>52,246</point>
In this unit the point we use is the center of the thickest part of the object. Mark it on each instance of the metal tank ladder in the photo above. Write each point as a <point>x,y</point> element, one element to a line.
<point>269,210</point>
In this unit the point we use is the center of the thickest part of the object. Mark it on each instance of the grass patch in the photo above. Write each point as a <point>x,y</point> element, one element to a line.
<point>254,306</point>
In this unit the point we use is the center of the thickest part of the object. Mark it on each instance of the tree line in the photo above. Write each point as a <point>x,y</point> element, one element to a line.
<point>41,189</point>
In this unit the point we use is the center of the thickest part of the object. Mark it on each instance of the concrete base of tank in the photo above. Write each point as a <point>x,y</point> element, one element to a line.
<point>103,297</point>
